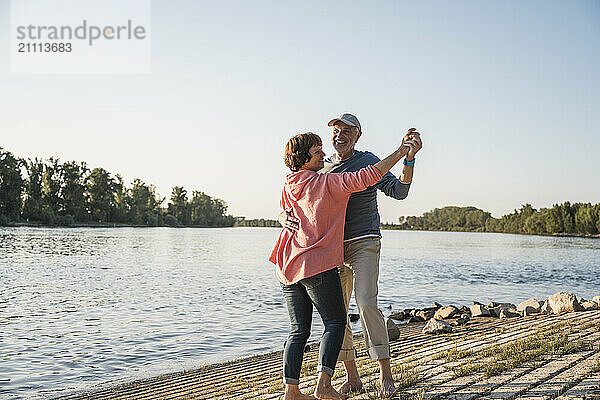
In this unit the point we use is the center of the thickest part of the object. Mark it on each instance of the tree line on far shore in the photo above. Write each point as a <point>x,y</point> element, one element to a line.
<point>51,192</point>
<point>257,223</point>
<point>565,218</point>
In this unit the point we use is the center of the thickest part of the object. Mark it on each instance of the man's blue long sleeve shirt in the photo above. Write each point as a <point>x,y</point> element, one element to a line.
<point>362,214</point>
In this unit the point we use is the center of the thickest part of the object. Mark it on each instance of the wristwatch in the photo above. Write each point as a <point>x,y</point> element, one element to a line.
<point>409,163</point>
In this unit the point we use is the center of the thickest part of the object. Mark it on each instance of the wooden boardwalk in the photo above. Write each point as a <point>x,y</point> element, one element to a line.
<point>534,358</point>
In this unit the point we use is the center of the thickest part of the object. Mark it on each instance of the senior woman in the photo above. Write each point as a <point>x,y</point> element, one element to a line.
<point>307,260</point>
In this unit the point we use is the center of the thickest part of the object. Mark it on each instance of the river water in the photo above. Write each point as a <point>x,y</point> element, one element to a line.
<point>84,307</point>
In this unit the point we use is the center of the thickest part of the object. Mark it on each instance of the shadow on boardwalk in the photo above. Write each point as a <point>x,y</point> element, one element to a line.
<point>537,357</point>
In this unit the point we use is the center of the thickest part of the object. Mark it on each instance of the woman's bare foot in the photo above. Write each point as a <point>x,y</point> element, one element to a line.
<point>351,387</point>
<point>292,392</point>
<point>324,390</point>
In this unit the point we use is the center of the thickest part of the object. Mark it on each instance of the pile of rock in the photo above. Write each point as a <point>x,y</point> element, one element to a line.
<point>558,303</point>
<point>434,314</point>
<point>437,314</point>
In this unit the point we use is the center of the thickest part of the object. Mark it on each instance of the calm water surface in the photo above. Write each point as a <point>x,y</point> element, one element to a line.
<point>85,307</point>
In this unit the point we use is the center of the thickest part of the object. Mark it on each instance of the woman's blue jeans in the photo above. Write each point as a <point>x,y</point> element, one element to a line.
<point>324,291</point>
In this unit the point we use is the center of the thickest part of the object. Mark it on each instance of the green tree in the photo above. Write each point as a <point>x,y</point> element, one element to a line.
<point>121,209</point>
<point>475,220</point>
<point>515,222</point>
<point>51,185</point>
<point>553,219</point>
<point>450,218</point>
<point>525,212</point>
<point>208,212</point>
<point>217,215</point>
<point>143,204</point>
<point>72,190</point>
<point>100,193</point>
<point>567,214</point>
<point>535,223</point>
<point>494,225</point>
<point>413,222</point>
<point>577,218</point>
<point>32,199</point>
<point>586,219</point>
<point>200,205</point>
<point>11,186</point>
<point>179,206</point>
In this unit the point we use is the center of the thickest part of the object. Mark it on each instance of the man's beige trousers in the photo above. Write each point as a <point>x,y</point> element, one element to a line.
<point>361,273</point>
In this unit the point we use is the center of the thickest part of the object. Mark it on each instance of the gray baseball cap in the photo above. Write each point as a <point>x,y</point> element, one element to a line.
<point>346,118</point>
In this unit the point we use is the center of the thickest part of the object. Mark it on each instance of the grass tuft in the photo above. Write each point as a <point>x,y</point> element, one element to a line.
<point>453,354</point>
<point>405,375</point>
<point>497,359</point>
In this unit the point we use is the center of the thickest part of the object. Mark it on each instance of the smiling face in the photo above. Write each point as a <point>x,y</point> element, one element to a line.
<point>316,159</point>
<point>344,138</point>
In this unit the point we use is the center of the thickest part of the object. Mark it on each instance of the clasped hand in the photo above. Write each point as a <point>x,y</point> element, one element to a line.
<point>412,140</point>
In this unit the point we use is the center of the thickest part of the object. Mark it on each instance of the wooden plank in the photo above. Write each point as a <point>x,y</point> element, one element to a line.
<point>588,389</point>
<point>518,386</point>
<point>561,382</point>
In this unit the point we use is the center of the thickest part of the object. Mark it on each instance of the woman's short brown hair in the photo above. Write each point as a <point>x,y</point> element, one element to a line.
<point>297,149</point>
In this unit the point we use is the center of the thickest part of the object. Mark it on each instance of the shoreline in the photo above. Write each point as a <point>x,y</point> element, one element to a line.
<point>98,225</point>
<point>384,227</point>
<point>576,235</point>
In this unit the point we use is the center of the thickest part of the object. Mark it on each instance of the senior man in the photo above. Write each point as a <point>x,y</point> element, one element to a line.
<point>362,245</point>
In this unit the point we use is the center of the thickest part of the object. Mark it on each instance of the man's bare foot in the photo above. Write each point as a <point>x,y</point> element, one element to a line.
<point>387,388</point>
<point>353,383</point>
<point>351,387</point>
<point>328,392</point>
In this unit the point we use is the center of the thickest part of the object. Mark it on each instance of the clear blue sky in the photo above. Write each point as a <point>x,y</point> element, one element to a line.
<point>506,96</point>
